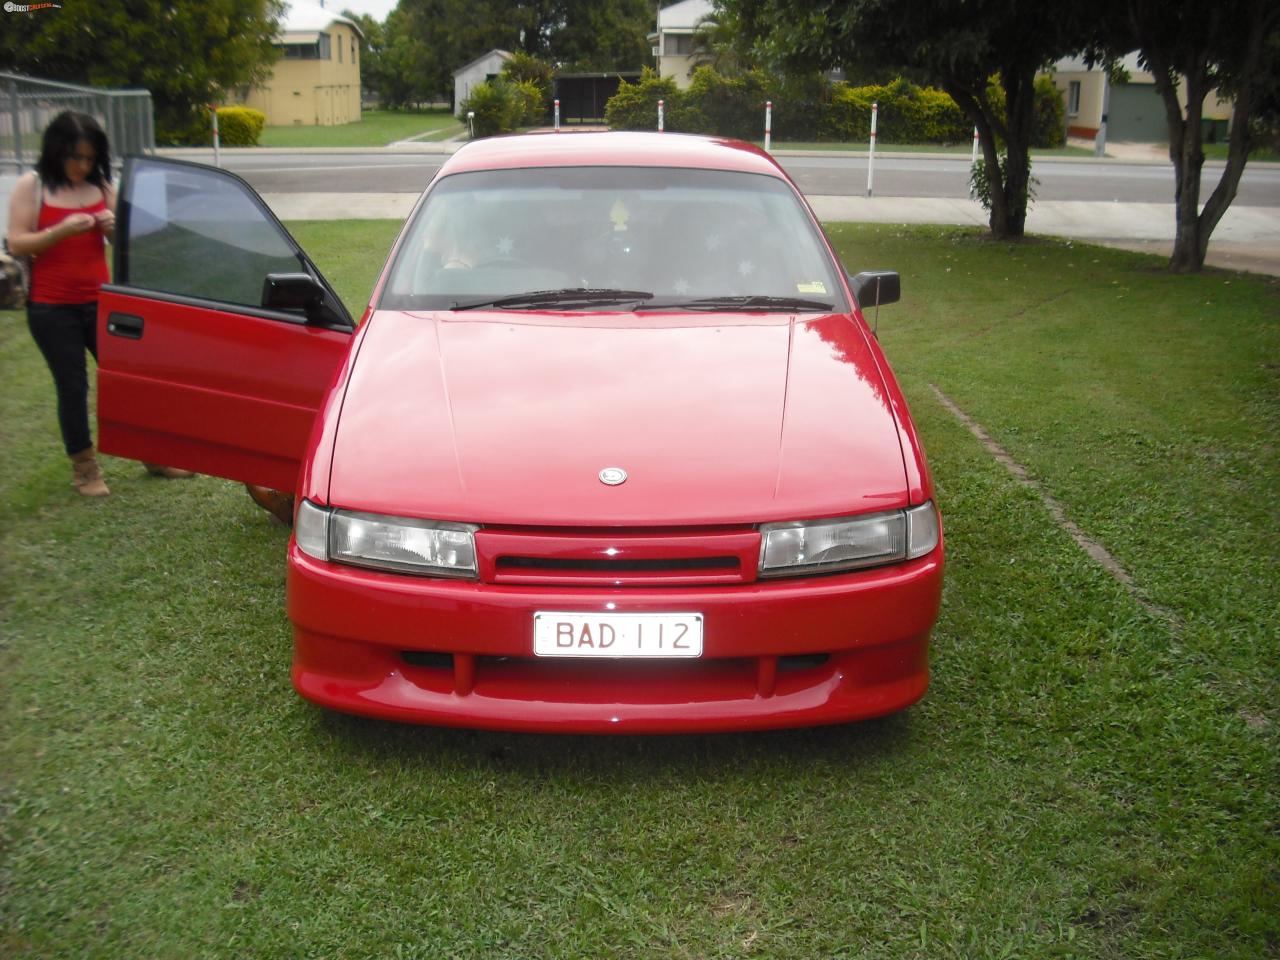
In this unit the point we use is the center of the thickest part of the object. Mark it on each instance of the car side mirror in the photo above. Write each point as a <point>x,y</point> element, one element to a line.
<point>298,291</point>
<point>875,288</point>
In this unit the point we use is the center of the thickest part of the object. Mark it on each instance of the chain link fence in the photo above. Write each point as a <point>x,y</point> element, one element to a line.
<point>27,105</point>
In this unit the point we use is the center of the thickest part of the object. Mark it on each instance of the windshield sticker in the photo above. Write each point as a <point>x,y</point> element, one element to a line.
<point>619,214</point>
<point>811,286</point>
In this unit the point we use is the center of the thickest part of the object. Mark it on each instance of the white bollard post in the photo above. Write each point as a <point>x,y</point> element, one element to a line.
<point>973,158</point>
<point>213,111</point>
<point>471,122</point>
<point>1100,138</point>
<point>557,114</point>
<point>871,153</point>
<point>768,124</point>
<point>661,105</point>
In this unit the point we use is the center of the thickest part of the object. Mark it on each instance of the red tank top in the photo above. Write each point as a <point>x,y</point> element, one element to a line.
<point>72,270</point>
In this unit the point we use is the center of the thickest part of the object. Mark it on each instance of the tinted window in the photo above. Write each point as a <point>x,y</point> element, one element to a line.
<point>676,233</point>
<point>199,233</point>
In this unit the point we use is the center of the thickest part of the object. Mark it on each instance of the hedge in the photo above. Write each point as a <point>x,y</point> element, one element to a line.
<point>810,108</point>
<point>635,106</point>
<point>240,126</point>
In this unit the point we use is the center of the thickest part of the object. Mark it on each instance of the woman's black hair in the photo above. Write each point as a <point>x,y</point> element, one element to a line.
<point>61,136</point>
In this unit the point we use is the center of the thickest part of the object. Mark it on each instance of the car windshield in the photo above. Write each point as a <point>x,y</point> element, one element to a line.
<point>612,239</point>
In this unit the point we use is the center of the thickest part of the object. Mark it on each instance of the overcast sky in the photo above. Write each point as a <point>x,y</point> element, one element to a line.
<point>378,9</point>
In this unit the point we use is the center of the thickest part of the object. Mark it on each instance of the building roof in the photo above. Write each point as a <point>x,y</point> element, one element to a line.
<point>504,54</point>
<point>304,19</point>
<point>684,16</point>
<point>1078,64</point>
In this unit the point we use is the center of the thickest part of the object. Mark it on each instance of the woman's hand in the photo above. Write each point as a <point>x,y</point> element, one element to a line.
<point>106,222</point>
<point>75,223</point>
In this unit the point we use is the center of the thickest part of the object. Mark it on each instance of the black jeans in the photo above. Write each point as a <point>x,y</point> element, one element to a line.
<point>63,332</point>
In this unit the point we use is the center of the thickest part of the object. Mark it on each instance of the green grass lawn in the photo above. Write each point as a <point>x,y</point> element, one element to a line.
<point>1218,151</point>
<point>376,128</point>
<point>1082,780</point>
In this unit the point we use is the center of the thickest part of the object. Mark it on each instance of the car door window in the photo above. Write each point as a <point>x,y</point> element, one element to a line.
<point>200,233</point>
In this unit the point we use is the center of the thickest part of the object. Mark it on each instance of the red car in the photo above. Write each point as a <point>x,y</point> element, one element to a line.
<point>612,450</point>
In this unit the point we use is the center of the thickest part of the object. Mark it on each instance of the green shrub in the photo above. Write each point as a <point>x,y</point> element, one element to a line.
<point>1049,129</point>
<point>907,114</point>
<point>727,106</point>
<point>525,68</point>
<point>799,104</point>
<point>497,106</point>
<point>810,108</point>
<point>635,105</point>
<point>240,126</point>
<point>531,102</point>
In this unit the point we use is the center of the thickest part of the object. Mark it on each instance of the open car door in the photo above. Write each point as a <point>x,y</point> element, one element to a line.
<point>219,338</point>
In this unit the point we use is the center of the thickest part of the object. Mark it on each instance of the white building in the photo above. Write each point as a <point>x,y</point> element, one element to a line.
<point>1135,109</point>
<point>673,41</point>
<point>466,78</point>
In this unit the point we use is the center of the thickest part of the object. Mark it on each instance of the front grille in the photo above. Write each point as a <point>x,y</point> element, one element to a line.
<point>618,558</point>
<point>619,566</point>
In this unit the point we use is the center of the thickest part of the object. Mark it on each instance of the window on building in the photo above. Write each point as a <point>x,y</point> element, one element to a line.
<point>305,51</point>
<point>353,50</point>
<point>339,51</point>
<point>326,52</point>
<point>677,44</point>
<point>1073,98</point>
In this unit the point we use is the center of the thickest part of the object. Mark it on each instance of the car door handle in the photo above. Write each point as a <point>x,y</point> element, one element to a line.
<point>125,325</point>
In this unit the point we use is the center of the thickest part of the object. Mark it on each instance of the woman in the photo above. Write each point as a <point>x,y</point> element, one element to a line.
<point>61,216</point>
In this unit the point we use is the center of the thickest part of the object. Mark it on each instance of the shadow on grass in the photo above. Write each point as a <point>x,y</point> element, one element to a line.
<point>627,757</point>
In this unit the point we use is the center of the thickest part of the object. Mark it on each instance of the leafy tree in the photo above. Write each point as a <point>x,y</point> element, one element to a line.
<point>373,42</point>
<point>598,34</point>
<point>429,39</point>
<point>409,70</point>
<point>443,35</point>
<point>957,45</point>
<point>1191,47</point>
<point>188,53</point>
<point>719,42</point>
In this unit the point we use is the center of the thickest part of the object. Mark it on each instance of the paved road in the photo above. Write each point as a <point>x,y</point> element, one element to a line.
<point>1106,181</point>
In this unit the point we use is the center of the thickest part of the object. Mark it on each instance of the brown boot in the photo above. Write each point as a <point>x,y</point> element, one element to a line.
<point>86,477</point>
<point>169,473</point>
<point>279,505</point>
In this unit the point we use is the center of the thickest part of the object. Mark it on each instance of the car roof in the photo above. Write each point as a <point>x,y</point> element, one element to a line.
<point>620,148</point>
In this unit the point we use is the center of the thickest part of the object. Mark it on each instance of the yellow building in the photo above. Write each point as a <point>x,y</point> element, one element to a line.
<point>316,81</point>
<point>1135,109</point>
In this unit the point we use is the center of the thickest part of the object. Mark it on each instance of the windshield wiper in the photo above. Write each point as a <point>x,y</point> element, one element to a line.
<point>750,302</point>
<point>568,296</point>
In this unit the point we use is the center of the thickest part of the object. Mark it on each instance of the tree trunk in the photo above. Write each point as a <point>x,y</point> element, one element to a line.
<point>1187,153</point>
<point>976,109</point>
<point>1189,254</point>
<point>1019,89</point>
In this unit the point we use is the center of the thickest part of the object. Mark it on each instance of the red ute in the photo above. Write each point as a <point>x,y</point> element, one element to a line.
<point>612,451</point>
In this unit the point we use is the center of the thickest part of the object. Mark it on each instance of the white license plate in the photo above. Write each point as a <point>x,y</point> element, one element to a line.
<point>617,634</point>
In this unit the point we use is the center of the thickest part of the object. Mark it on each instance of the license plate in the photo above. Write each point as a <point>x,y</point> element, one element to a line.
<point>617,634</point>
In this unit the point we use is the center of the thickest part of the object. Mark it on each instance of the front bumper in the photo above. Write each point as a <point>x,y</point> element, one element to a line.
<point>780,653</point>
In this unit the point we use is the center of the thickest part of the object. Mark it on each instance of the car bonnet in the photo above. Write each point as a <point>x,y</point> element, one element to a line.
<point>510,418</point>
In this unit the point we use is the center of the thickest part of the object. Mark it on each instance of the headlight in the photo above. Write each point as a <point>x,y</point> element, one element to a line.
<point>404,544</point>
<point>826,546</point>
